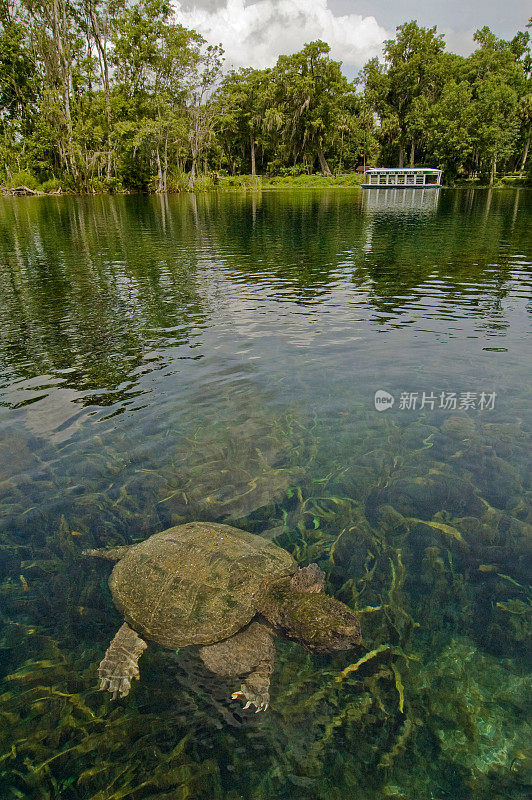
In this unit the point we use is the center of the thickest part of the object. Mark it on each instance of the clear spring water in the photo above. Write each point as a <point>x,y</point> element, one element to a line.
<point>217,357</point>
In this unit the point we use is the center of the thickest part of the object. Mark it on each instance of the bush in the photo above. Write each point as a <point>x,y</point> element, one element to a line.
<point>24,178</point>
<point>203,183</point>
<point>240,182</point>
<point>297,169</point>
<point>113,185</point>
<point>51,185</point>
<point>513,180</point>
<point>108,185</point>
<point>178,182</point>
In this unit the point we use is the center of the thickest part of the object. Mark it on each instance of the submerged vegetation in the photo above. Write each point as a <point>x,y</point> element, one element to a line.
<point>445,618</point>
<point>113,95</point>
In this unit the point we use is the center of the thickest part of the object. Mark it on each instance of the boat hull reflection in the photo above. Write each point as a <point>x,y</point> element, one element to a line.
<point>401,200</point>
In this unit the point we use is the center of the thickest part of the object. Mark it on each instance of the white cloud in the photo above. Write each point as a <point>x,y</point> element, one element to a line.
<point>460,42</point>
<point>256,33</point>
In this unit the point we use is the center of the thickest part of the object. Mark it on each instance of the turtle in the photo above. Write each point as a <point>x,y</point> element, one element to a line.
<point>225,591</point>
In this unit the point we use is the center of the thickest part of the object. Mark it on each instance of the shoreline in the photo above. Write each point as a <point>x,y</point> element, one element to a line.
<point>245,188</point>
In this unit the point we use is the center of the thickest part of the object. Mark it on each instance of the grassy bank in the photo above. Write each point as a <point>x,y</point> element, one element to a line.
<point>250,183</point>
<point>226,183</point>
<point>503,181</point>
<point>204,183</point>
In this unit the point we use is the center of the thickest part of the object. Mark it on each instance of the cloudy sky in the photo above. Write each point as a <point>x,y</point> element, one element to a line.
<point>255,32</point>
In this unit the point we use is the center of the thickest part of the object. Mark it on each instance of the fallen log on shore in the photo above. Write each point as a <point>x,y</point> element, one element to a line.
<point>19,190</point>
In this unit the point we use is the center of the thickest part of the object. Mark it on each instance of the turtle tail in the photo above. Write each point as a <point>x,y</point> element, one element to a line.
<point>120,663</point>
<point>110,553</point>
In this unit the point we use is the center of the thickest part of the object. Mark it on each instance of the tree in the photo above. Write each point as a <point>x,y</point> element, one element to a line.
<point>56,38</point>
<point>200,105</point>
<point>310,92</point>
<point>18,74</point>
<point>241,105</point>
<point>162,69</point>
<point>449,128</point>
<point>498,81</point>
<point>409,77</point>
<point>105,94</point>
<point>520,45</point>
<point>99,27</point>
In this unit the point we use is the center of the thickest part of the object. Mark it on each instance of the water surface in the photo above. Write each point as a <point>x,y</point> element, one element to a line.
<point>217,357</point>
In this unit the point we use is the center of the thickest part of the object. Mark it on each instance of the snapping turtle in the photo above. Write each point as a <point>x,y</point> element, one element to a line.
<point>226,591</point>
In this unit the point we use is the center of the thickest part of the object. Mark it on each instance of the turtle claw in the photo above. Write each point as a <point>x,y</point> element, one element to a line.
<point>252,700</point>
<point>120,666</point>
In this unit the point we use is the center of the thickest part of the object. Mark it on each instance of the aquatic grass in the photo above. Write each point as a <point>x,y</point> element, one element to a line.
<point>362,660</point>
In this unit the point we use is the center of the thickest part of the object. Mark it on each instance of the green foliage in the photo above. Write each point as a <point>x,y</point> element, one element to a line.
<point>23,178</point>
<point>113,96</point>
<point>311,97</point>
<point>301,181</point>
<point>408,81</point>
<point>18,75</point>
<point>51,185</point>
<point>466,115</point>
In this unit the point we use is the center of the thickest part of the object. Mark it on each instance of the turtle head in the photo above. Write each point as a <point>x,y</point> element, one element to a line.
<point>318,622</point>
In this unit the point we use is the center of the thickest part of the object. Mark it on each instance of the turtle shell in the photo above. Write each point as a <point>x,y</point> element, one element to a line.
<point>196,583</point>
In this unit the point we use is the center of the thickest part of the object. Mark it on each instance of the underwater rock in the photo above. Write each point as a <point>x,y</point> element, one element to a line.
<point>424,495</point>
<point>16,457</point>
<point>497,535</point>
<point>392,523</point>
<point>354,546</point>
<point>498,481</point>
<point>232,474</point>
<point>477,712</point>
<point>462,428</point>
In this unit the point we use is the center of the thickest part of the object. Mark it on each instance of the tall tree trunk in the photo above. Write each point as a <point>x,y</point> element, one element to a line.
<point>200,131</point>
<point>401,155</point>
<point>412,153</point>
<point>493,171</point>
<point>59,27</point>
<point>525,151</point>
<point>252,146</point>
<point>159,172</point>
<point>101,45</point>
<point>165,165</point>
<point>323,163</point>
<point>192,176</point>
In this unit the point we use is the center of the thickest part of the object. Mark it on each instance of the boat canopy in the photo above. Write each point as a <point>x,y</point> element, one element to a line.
<point>401,170</point>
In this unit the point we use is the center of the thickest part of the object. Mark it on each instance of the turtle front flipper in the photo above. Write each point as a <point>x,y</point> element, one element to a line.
<point>120,663</point>
<point>250,653</point>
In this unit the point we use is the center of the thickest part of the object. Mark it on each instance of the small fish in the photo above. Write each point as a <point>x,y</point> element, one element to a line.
<point>24,583</point>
